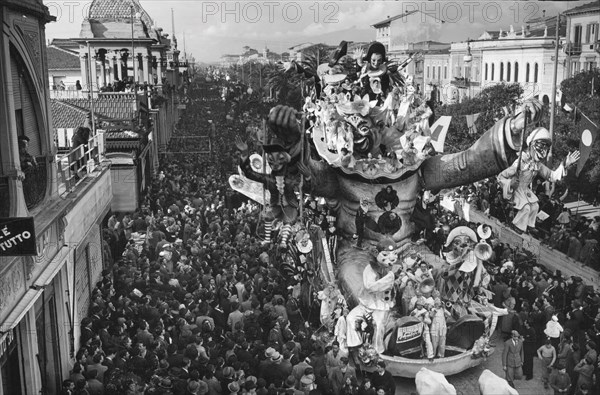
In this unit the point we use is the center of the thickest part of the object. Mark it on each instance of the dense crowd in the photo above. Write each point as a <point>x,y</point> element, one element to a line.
<point>191,301</point>
<point>558,227</point>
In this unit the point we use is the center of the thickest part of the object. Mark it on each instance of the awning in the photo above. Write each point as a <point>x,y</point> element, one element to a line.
<point>20,309</point>
<point>48,274</point>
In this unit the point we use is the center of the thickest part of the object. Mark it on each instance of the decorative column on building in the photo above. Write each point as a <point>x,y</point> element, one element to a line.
<point>102,58</point>
<point>83,61</point>
<point>112,61</point>
<point>136,69</point>
<point>159,71</point>
<point>146,66</point>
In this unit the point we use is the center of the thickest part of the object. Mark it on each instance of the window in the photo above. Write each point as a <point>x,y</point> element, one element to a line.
<point>427,71</point>
<point>492,75</point>
<point>575,68</point>
<point>592,33</point>
<point>508,71</point>
<point>501,71</point>
<point>439,72</point>
<point>577,37</point>
<point>516,71</point>
<point>527,72</point>
<point>485,73</point>
<point>535,73</point>
<point>445,72</point>
<point>433,72</point>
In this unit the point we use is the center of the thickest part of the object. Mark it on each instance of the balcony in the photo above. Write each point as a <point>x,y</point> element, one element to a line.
<point>573,49</point>
<point>68,94</point>
<point>80,162</point>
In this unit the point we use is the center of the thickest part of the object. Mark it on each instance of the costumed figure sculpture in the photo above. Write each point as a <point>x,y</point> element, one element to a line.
<point>516,180</point>
<point>377,297</point>
<point>465,272</point>
<point>282,144</point>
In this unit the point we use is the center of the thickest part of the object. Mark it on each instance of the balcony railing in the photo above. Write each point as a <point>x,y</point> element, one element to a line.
<point>74,166</point>
<point>573,49</point>
<point>68,94</point>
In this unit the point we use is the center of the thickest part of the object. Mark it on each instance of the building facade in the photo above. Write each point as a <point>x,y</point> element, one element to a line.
<point>43,295</point>
<point>583,44</point>
<point>525,57</point>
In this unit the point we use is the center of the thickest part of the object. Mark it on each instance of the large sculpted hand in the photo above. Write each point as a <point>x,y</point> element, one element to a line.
<point>572,158</point>
<point>242,148</point>
<point>283,121</point>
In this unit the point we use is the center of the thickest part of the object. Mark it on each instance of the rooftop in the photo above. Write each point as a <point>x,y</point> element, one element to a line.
<point>61,59</point>
<point>65,115</point>
<point>112,19</point>
<point>393,18</point>
<point>108,105</point>
<point>589,7</point>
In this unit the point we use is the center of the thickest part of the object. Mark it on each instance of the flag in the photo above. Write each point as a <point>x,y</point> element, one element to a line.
<point>438,132</point>
<point>471,123</point>
<point>588,134</point>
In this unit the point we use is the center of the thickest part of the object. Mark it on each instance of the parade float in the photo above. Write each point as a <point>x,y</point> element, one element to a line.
<point>345,174</point>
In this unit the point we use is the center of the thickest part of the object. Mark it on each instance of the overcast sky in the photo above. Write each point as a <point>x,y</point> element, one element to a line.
<point>214,28</point>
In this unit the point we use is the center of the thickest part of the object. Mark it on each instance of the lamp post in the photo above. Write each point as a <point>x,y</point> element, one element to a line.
<point>468,58</point>
<point>133,55</point>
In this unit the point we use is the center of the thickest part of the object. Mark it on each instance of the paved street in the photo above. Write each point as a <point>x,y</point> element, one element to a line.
<point>466,382</point>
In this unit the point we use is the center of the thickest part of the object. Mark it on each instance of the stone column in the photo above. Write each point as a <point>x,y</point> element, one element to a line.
<point>111,67</point>
<point>94,72</point>
<point>83,60</point>
<point>136,70</point>
<point>159,71</point>
<point>103,70</point>
<point>146,67</point>
<point>120,68</point>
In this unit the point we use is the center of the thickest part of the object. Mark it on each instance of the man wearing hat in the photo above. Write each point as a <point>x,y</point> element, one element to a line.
<point>560,381</point>
<point>338,375</point>
<point>512,358</point>
<point>516,179</point>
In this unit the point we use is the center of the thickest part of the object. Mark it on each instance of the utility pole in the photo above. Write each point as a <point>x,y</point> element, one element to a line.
<point>554,77</point>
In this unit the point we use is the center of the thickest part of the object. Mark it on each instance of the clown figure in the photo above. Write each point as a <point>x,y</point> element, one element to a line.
<point>377,296</point>
<point>282,147</point>
<point>516,182</point>
<point>438,327</point>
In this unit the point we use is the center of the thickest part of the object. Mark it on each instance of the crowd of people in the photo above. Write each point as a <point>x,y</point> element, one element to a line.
<point>558,227</point>
<point>192,302</point>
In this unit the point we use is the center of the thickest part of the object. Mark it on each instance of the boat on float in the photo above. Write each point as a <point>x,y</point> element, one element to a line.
<point>403,355</point>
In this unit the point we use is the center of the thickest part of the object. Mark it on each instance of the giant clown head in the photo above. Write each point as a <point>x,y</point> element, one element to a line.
<point>461,239</point>
<point>386,256</point>
<point>539,143</point>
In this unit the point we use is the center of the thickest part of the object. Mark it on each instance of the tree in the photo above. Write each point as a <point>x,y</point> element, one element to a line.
<point>488,103</point>
<point>585,98</point>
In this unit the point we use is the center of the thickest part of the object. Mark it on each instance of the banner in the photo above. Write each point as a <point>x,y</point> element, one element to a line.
<point>17,237</point>
<point>588,133</point>
<point>438,132</point>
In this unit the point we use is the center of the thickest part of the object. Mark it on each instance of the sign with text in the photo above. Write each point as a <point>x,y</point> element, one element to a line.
<point>17,237</point>
<point>408,333</point>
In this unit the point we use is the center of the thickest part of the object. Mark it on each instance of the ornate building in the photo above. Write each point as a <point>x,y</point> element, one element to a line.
<point>43,292</point>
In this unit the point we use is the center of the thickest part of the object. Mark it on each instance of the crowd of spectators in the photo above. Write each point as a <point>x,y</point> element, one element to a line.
<point>574,235</point>
<point>191,301</point>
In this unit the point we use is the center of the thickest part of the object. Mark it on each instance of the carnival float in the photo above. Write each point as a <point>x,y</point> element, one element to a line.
<point>339,182</point>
